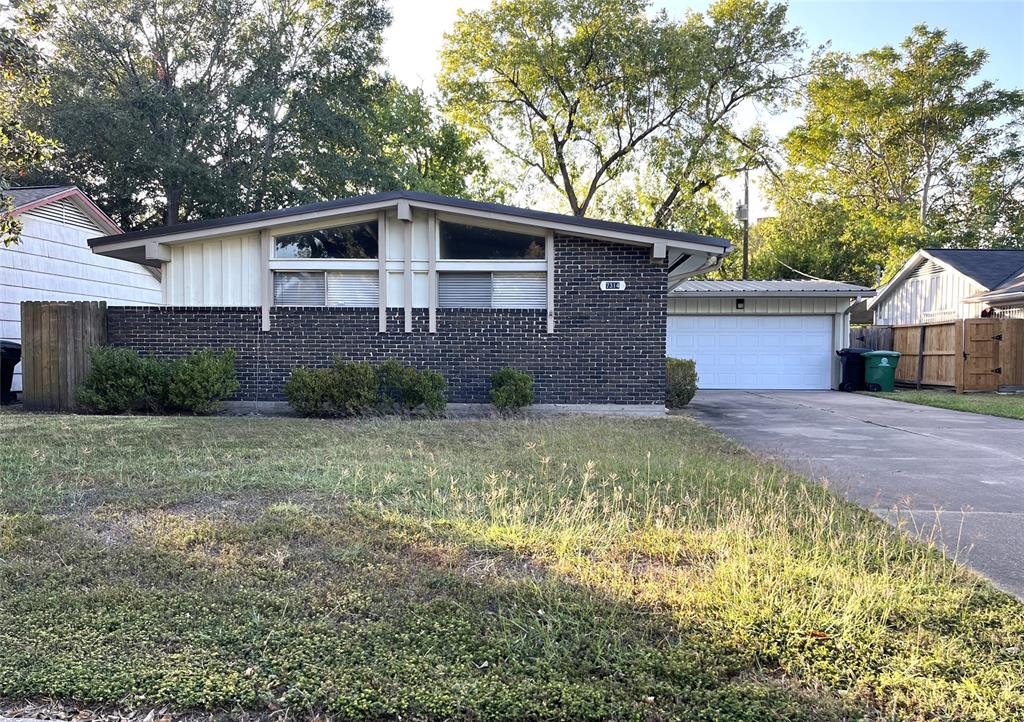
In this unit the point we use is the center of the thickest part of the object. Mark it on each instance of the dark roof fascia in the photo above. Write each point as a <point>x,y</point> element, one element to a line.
<point>415,197</point>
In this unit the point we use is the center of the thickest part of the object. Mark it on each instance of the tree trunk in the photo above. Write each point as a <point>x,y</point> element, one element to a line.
<point>173,206</point>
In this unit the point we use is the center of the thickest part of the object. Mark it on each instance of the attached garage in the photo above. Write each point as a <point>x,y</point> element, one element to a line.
<point>762,334</point>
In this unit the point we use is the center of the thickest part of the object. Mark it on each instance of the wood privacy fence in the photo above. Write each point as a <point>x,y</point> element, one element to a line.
<point>55,341</point>
<point>974,354</point>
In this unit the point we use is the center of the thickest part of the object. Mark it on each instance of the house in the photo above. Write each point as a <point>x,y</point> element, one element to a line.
<point>762,334</point>
<point>458,286</point>
<point>52,260</point>
<point>944,284</point>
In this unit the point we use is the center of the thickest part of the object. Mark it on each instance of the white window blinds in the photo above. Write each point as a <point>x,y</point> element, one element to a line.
<point>492,290</point>
<point>331,288</point>
<point>299,289</point>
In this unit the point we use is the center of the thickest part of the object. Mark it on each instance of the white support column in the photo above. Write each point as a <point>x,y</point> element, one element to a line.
<point>266,277</point>
<point>407,237</point>
<point>382,262</point>
<point>549,256</point>
<point>432,240</point>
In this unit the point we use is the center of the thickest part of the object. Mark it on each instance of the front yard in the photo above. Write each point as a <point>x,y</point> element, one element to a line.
<point>568,568</point>
<point>1011,407</point>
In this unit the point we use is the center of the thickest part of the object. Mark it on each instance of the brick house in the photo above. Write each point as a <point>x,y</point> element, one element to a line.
<point>459,286</point>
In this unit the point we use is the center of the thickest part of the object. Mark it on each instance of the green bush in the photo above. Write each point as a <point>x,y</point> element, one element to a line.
<point>353,388</point>
<point>121,381</point>
<point>511,389</point>
<point>349,389</point>
<point>681,382</point>
<point>200,382</point>
<point>308,391</point>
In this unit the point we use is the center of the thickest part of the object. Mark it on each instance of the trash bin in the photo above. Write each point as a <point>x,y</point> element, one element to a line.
<point>880,370</point>
<point>10,355</point>
<point>852,362</point>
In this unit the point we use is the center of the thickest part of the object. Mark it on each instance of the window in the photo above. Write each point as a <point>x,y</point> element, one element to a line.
<point>359,240</point>
<point>462,242</point>
<point>491,290</point>
<point>355,289</point>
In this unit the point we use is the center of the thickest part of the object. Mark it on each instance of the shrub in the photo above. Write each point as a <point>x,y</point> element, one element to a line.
<point>200,382</point>
<point>353,388</point>
<point>511,389</point>
<point>119,381</point>
<point>681,382</point>
<point>308,390</point>
<point>426,388</point>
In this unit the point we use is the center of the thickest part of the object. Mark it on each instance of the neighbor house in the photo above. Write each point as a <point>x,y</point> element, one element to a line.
<point>942,284</point>
<point>762,334</point>
<point>52,260</point>
<point>459,286</point>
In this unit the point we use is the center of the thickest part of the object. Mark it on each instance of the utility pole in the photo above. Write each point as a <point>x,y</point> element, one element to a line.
<point>746,224</point>
<point>743,214</point>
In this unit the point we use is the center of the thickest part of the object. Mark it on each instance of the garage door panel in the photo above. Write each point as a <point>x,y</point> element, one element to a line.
<point>755,352</point>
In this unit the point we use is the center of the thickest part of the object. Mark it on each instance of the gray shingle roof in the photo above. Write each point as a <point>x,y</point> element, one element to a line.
<point>30,194</point>
<point>459,203</point>
<point>988,267</point>
<point>770,288</point>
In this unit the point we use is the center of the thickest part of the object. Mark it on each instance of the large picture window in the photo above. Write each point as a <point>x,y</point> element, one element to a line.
<point>463,242</point>
<point>358,240</point>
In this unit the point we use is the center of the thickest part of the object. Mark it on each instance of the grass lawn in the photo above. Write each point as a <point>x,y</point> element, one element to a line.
<point>1012,407</point>
<point>569,568</point>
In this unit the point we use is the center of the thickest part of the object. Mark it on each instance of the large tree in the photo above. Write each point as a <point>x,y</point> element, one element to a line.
<point>171,110</point>
<point>898,149</point>
<point>596,98</point>
<point>23,86</point>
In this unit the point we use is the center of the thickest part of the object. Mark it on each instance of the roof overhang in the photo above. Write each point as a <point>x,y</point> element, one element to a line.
<point>84,202</point>
<point>908,268</point>
<point>148,246</point>
<point>867,293</point>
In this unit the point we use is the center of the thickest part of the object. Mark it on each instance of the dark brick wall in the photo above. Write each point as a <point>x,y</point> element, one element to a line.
<point>608,347</point>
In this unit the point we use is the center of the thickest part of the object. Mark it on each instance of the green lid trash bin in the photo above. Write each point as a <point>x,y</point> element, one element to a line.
<point>880,370</point>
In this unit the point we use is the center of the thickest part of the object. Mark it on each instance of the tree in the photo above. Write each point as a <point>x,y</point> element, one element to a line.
<point>900,149</point>
<point>172,110</point>
<point>587,95</point>
<point>23,85</point>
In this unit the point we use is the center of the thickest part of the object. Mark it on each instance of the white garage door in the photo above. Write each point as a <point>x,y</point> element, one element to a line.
<point>755,352</point>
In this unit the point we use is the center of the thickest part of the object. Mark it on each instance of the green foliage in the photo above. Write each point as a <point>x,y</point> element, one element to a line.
<point>23,86</point>
<point>120,381</point>
<point>582,94</point>
<point>511,389</point>
<point>200,382</point>
<point>308,391</point>
<point>680,382</point>
<point>350,389</point>
<point>899,149</point>
<point>354,388</point>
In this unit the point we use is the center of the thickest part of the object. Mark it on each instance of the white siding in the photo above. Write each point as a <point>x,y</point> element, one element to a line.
<point>222,272</point>
<point>929,298</point>
<point>758,306</point>
<point>53,262</point>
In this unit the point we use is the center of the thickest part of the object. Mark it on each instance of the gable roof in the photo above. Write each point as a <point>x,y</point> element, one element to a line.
<point>799,287</point>
<point>27,198</point>
<point>557,221</point>
<point>989,268</point>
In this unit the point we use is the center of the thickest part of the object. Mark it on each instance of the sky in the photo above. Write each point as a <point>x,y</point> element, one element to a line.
<point>412,42</point>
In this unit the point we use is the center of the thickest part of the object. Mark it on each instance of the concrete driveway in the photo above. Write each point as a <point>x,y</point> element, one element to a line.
<point>958,474</point>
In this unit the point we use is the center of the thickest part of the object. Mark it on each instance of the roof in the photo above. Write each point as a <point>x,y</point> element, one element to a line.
<point>31,195</point>
<point>416,197</point>
<point>26,198</point>
<point>771,288</point>
<point>988,267</point>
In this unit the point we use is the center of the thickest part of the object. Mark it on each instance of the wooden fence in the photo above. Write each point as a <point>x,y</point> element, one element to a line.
<point>55,341</point>
<point>975,354</point>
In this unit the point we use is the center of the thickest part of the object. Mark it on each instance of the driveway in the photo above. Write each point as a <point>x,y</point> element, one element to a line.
<point>958,474</point>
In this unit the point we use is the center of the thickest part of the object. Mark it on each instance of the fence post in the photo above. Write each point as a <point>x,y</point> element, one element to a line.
<point>920,356</point>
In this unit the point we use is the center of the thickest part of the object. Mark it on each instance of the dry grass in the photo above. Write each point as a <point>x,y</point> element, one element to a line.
<point>571,568</point>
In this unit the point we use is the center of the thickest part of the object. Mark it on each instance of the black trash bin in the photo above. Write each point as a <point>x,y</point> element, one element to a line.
<point>852,361</point>
<point>10,355</point>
